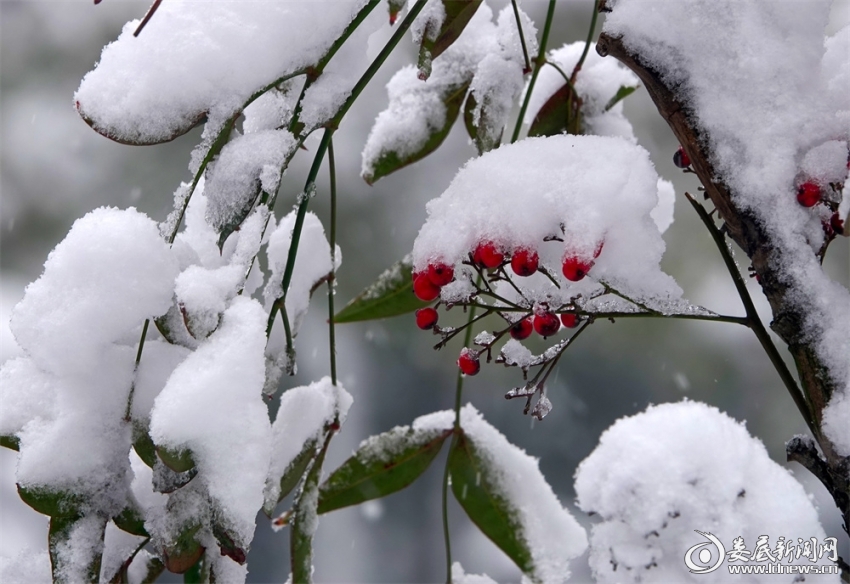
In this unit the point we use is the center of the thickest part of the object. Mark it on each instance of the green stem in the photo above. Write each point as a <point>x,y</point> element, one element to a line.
<point>590,32</point>
<point>458,397</point>
<point>753,320</point>
<point>136,369</point>
<point>521,36</point>
<point>331,312</point>
<point>538,64</point>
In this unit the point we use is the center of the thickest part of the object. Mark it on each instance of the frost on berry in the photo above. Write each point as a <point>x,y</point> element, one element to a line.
<point>487,254</point>
<point>468,362</point>
<point>440,274</point>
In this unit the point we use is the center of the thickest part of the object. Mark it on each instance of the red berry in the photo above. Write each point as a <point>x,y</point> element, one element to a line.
<point>575,269</point>
<point>681,158</point>
<point>426,318</point>
<point>440,274</point>
<point>808,194</point>
<point>488,255</point>
<point>598,249</point>
<point>837,223</point>
<point>524,262</point>
<point>569,320</point>
<point>521,329</point>
<point>546,324</point>
<point>468,362</point>
<point>424,288</point>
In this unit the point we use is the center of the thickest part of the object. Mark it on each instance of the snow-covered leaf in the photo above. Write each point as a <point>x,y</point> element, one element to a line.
<point>477,129</point>
<point>558,115</point>
<point>10,442</point>
<point>390,159</point>
<point>383,464</point>
<point>390,295</point>
<point>291,476</point>
<point>51,503</point>
<point>494,515</point>
<point>303,524</point>
<point>185,551</point>
<point>131,520</point>
<point>176,460</point>
<point>458,13</point>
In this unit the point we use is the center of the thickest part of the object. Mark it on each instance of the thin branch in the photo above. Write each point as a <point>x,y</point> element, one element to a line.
<point>148,15</point>
<point>753,319</point>
<point>332,278</point>
<point>590,32</point>
<point>521,36</point>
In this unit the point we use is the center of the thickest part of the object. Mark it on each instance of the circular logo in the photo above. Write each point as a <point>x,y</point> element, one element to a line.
<point>701,566</point>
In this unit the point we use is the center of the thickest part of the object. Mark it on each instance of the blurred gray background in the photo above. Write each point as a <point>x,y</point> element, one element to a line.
<point>54,169</point>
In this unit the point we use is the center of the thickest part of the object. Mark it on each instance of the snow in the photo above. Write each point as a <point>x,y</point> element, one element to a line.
<point>312,264</point>
<point>197,58</point>
<point>776,116</point>
<point>79,549</point>
<point>600,189</point>
<point>118,546</point>
<point>662,214</point>
<point>597,83</point>
<point>79,325</point>
<point>110,272</point>
<point>461,577</point>
<point>303,416</point>
<point>836,421</point>
<point>657,476</point>
<point>212,405</point>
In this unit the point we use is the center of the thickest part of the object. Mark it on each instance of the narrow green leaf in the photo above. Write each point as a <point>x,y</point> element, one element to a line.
<point>303,524</point>
<point>10,442</point>
<point>292,475</point>
<point>491,512</point>
<point>390,161</point>
<point>390,295</point>
<point>621,94</point>
<point>51,503</point>
<point>384,464</point>
<point>458,15</point>
<point>176,460</point>
<point>469,119</point>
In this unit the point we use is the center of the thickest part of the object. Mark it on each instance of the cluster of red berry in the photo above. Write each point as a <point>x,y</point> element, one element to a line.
<point>524,262</point>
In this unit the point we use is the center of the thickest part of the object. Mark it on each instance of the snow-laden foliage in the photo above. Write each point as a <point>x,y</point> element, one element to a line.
<point>591,193</point>
<point>657,476</point>
<point>487,55</point>
<point>597,83</point>
<point>208,58</point>
<point>553,536</point>
<point>766,141</point>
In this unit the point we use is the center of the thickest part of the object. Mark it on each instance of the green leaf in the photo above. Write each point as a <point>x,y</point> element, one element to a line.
<point>10,442</point>
<point>57,536</point>
<point>390,161</point>
<point>292,475</point>
<point>228,545</point>
<point>143,444</point>
<point>558,115</point>
<point>458,15</point>
<point>384,464</point>
<point>131,520</point>
<point>185,552</point>
<point>176,460</point>
<point>482,135</point>
<point>390,295</point>
<point>621,94</point>
<point>490,511</point>
<point>52,503</point>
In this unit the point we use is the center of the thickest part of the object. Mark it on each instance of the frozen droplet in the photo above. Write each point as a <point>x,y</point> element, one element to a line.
<point>681,381</point>
<point>372,510</point>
